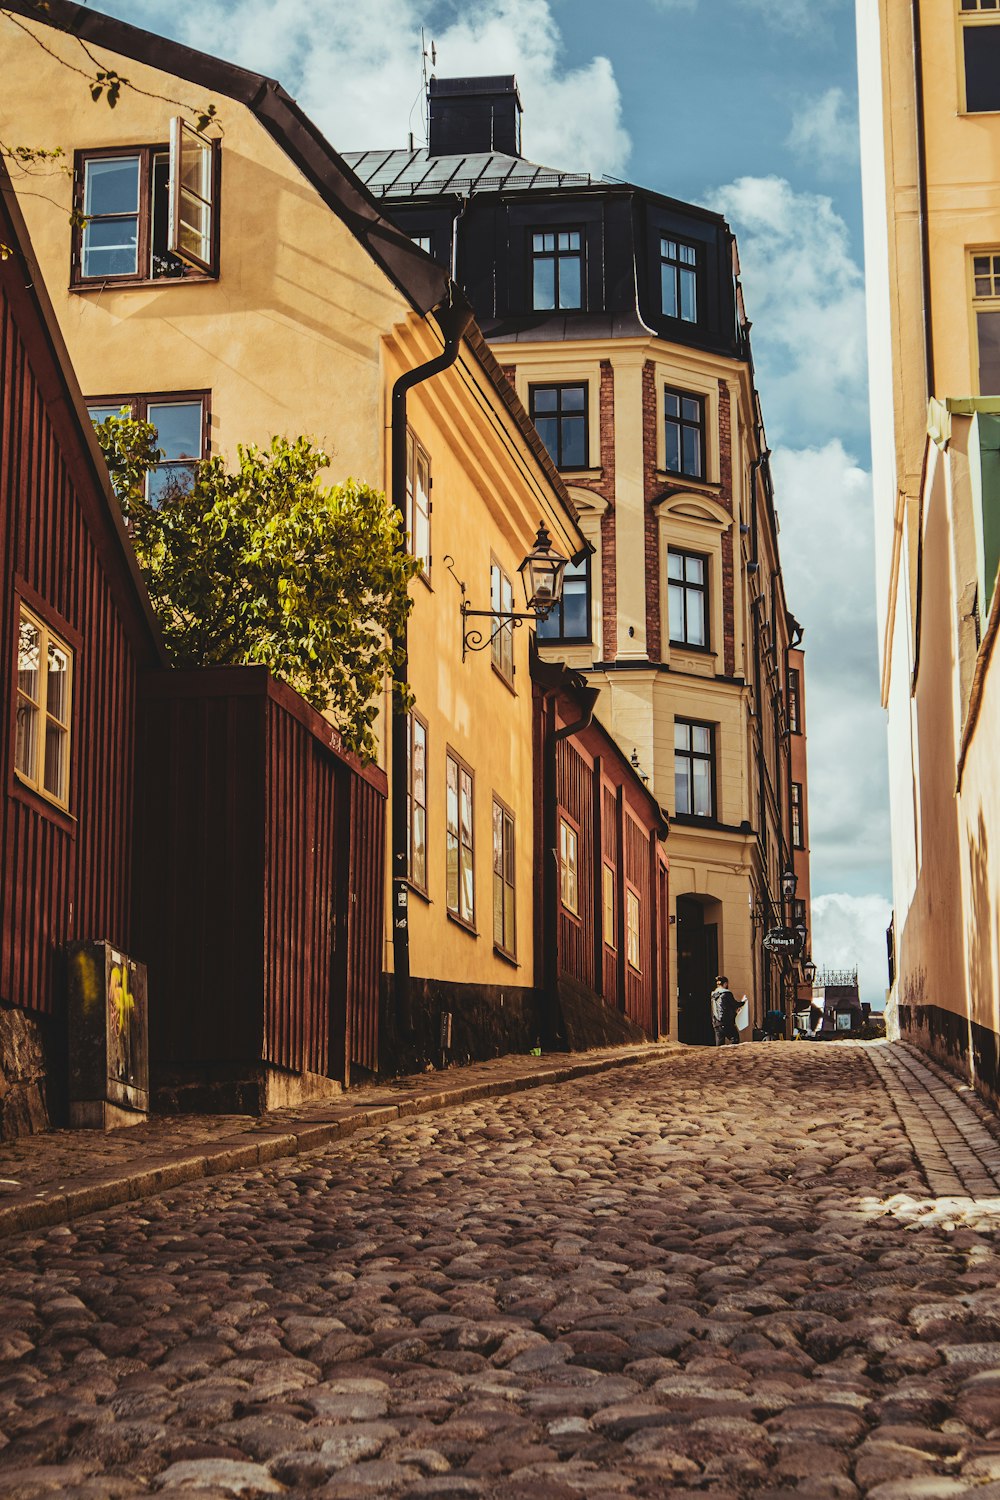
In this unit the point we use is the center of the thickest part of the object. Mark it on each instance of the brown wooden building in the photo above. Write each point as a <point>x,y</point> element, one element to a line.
<point>207,823</point>
<point>260,850</point>
<point>602,894</point>
<point>76,630</point>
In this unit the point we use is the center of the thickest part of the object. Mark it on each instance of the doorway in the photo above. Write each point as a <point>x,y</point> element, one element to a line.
<point>697,967</point>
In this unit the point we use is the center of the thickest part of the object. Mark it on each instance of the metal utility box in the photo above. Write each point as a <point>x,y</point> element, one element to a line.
<point>108,1037</point>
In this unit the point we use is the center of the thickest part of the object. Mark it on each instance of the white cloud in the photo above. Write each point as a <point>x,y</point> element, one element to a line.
<point>797,16</point>
<point>805,293</point>
<point>824,501</point>
<point>824,133</point>
<point>357,71</point>
<point>849,931</point>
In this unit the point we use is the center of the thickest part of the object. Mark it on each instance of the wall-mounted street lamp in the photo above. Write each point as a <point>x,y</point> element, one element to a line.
<point>789,884</point>
<point>542,573</point>
<point>809,972</point>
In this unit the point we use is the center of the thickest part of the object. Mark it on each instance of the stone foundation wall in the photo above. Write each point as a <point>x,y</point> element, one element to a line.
<point>486,1021</point>
<point>966,1048</point>
<point>25,1074</point>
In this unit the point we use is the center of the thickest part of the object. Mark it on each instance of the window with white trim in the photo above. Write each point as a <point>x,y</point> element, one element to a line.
<point>460,847</point>
<point>418,502</point>
<point>416,801</point>
<point>43,708</point>
<point>633,917</point>
<point>569,882</point>
<point>504,888</point>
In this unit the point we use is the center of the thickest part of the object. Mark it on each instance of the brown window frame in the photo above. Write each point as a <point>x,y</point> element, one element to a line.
<point>462,769</point>
<point>139,404</point>
<point>508,860</point>
<point>142,276</point>
<point>413,720</point>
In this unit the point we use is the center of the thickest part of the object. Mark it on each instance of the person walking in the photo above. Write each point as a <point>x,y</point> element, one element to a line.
<point>724,1008</point>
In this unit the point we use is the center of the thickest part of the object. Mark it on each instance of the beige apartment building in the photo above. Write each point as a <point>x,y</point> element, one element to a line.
<point>618,316</point>
<point>930,121</point>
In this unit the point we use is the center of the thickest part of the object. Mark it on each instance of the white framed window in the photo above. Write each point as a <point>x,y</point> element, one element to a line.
<point>44,708</point>
<point>504,883</point>
<point>416,801</point>
<point>502,632</point>
<point>633,934</point>
<point>984,266</point>
<point>418,502</point>
<point>460,849</point>
<point>610,907</point>
<point>569,874</point>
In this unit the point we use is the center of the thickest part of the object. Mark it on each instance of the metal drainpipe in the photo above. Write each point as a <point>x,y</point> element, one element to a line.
<point>925,251</point>
<point>453,320</point>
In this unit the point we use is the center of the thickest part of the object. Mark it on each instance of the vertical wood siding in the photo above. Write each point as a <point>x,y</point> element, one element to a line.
<point>609,841</point>
<point>640,988</point>
<point>59,877</point>
<point>574,790</point>
<point>262,879</point>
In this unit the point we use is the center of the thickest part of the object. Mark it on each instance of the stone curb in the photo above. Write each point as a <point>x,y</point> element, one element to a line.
<point>92,1194</point>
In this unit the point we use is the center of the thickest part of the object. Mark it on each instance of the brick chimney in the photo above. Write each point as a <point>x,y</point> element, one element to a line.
<point>469,115</point>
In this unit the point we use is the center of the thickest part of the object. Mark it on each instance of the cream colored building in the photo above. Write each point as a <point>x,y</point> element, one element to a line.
<point>308,308</point>
<point>930,118</point>
<point>618,316</point>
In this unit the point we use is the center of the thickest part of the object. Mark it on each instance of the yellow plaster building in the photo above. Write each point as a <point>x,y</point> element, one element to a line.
<point>618,316</point>
<point>930,115</point>
<point>300,310</point>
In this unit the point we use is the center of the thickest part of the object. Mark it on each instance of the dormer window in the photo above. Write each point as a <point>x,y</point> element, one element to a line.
<point>556,270</point>
<point>679,280</point>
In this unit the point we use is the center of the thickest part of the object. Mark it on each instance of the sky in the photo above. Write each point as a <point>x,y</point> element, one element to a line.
<point>749,107</point>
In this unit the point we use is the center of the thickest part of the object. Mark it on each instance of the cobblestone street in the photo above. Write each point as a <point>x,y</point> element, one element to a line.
<point>720,1273</point>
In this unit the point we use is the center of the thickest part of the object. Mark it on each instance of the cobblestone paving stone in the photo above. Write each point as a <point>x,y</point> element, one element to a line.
<point>957,1152</point>
<point>721,1274</point>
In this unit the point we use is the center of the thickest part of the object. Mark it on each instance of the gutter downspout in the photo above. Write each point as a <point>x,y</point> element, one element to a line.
<point>453,320</point>
<point>925,279</point>
<point>925,254</point>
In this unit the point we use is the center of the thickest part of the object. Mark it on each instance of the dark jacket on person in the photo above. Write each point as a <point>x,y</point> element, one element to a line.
<point>724,1005</point>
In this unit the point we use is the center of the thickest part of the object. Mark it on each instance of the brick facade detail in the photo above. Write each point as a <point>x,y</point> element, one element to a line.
<point>651,488</point>
<point>726,497</point>
<point>606,488</point>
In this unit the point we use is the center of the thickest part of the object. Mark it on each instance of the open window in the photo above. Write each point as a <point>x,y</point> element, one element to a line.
<point>148,213</point>
<point>192,195</point>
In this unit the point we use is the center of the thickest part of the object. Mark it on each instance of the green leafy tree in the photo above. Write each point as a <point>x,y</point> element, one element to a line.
<point>263,564</point>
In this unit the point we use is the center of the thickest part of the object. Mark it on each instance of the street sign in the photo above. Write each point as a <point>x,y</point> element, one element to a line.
<point>782,940</point>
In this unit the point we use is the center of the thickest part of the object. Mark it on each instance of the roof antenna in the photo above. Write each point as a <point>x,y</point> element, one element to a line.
<point>427,52</point>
